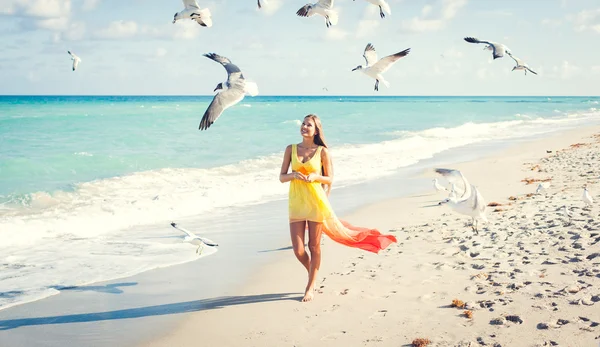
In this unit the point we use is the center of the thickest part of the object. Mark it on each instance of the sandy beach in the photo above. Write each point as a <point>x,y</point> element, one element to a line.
<point>530,277</point>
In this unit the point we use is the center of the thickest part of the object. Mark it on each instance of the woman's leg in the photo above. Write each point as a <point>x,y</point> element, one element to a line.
<point>297,231</point>
<point>314,245</point>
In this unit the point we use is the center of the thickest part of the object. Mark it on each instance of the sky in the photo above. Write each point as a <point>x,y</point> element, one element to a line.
<point>132,48</point>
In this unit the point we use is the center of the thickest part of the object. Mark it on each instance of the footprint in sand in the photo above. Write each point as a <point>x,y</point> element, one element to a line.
<point>333,336</point>
<point>380,313</point>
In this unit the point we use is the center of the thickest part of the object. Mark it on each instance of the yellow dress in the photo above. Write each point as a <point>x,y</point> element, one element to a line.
<point>308,202</point>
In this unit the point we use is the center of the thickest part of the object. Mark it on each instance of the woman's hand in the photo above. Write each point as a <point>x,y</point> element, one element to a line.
<point>299,176</point>
<point>312,177</point>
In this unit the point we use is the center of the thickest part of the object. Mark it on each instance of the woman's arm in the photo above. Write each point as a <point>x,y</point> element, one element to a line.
<point>284,176</point>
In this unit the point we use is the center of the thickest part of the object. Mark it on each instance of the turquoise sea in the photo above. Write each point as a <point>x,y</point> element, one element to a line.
<point>79,173</point>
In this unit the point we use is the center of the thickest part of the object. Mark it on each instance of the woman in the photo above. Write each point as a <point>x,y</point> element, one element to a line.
<point>311,174</point>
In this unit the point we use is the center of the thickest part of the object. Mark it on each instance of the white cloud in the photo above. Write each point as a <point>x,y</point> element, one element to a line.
<point>36,8</point>
<point>552,22</point>
<point>53,24</point>
<point>596,69</point>
<point>427,21</point>
<point>89,5</point>
<point>566,70</point>
<point>336,34</point>
<point>118,30</point>
<point>586,20</point>
<point>366,27</point>
<point>125,30</point>
<point>160,52</point>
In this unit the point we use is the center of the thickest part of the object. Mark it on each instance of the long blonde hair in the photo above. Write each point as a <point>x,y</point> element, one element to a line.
<point>319,138</point>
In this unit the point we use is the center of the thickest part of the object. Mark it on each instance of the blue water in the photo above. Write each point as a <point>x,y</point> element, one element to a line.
<point>77,173</point>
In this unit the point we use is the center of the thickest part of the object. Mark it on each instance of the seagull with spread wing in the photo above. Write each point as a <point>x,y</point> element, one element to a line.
<point>76,60</point>
<point>323,8</point>
<point>497,49</point>
<point>470,202</point>
<point>229,93</point>
<point>520,65</point>
<point>375,68</point>
<point>195,239</point>
<point>194,12</point>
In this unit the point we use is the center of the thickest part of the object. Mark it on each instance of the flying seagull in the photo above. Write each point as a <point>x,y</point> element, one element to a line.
<point>76,60</point>
<point>193,12</point>
<point>375,68</point>
<point>230,92</point>
<point>384,7</point>
<point>195,239</point>
<point>521,65</point>
<point>470,203</point>
<point>321,7</point>
<point>498,49</point>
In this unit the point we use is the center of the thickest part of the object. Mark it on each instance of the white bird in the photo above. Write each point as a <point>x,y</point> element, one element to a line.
<point>437,185</point>
<point>470,203</point>
<point>321,7</point>
<point>498,49</point>
<point>521,65</point>
<point>230,92</point>
<point>76,60</point>
<point>192,11</point>
<point>542,186</point>
<point>384,7</point>
<point>375,68</point>
<point>195,239</point>
<point>586,197</point>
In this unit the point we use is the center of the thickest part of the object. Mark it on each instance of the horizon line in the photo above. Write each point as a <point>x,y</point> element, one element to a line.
<point>319,95</point>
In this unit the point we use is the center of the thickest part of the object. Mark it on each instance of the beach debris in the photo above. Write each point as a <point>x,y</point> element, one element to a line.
<point>562,322</point>
<point>457,303</point>
<point>513,198</point>
<point>498,321</point>
<point>542,326</point>
<point>577,145</point>
<point>533,180</point>
<point>536,167</point>
<point>420,342</point>
<point>494,204</point>
<point>468,314</point>
<point>514,319</point>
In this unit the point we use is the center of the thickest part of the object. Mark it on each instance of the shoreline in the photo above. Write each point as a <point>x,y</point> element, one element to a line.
<point>341,297</point>
<point>168,318</point>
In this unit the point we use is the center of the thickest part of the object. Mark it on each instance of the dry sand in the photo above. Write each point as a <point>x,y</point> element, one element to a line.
<point>531,277</point>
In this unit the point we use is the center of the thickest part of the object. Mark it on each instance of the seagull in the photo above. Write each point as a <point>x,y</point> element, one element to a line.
<point>437,185</point>
<point>564,210</point>
<point>264,2</point>
<point>195,239</point>
<point>542,186</point>
<point>521,65</point>
<point>470,203</point>
<point>76,60</point>
<point>230,92</point>
<point>321,7</point>
<point>383,7</point>
<point>375,68</point>
<point>193,12</point>
<point>586,197</point>
<point>498,49</point>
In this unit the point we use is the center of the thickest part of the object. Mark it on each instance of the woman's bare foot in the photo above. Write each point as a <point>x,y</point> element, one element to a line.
<point>309,295</point>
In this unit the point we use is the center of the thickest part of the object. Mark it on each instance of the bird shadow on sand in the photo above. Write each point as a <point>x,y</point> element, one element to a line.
<point>149,311</point>
<point>109,288</point>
